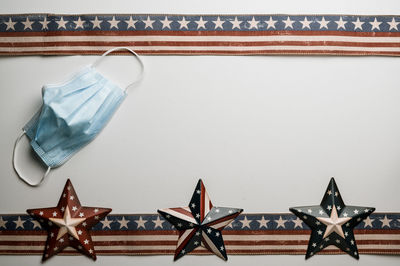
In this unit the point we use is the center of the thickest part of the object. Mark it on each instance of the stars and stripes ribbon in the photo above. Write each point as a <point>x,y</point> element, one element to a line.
<point>146,234</point>
<point>52,34</point>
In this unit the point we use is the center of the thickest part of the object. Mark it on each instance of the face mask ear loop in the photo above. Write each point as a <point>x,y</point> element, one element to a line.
<point>16,168</point>
<point>141,73</point>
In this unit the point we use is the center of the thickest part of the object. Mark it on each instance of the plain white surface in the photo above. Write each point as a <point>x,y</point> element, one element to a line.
<point>265,133</point>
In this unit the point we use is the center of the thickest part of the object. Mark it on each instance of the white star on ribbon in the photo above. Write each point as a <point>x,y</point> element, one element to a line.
<point>218,23</point>
<point>306,23</point>
<point>263,222</point>
<point>236,23</point>
<point>19,223</point>
<point>10,24</point>
<point>44,23</point>
<point>271,23</point>
<point>166,23</point>
<point>358,24</point>
<point>131,23</point>
<point>61,23</point>
<point>245,222</point>
<point>158,222</point>
<point>375,24</point>
<point>385,221</point>
<point>201,23</point>
<point>148,23</point>
<point>323,23</point>
<point>96,23</point>
<point>78,23</point>
<point>140,222</point>
<point>281,222</point>
<point>393,24</point>
<point>27,24</point>
<point>113,23</point>
<point>341,23</point>
<point>106,223</point>
<point>253,23</point>
<point>183,23</point>
<point>288,23</point>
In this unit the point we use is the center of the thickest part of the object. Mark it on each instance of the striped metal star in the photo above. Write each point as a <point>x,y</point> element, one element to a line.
<point>200,223</point>
<point>69,224</point>
<point>332,222</point>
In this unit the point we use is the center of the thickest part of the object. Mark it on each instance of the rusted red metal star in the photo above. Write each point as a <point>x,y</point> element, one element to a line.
<point>69,224</point>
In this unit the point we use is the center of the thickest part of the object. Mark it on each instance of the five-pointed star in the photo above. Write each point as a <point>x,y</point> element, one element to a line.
<point>148,23</point>
<point>323,23</point>
<point>27,24</point>
<point>218,23</point>
<point>341,23</point>
<point>298,223</point>
<point>306,23</point>
<point>183,23</point>
<point>140,222</point>
<point>131,23</point>
<point>67,227</point>
<point>79,23</point>
<point>36,224</point>
<point>393,24</point>
<point>67,224</point>
<point>333,223</point>
<point>2,222</point>
<point>375,24</point>
<point>106,223</point>
<point>158,222</point>
<point>200,223</point>
<point>253,23</point>
<point>123,223</point>
<point>201,23</point>
<point>385,221</point>
<point>44,23</point>
<point>96,23</point>
<point>263,222</point>
<point>61,23</point>
<point>330,224</point>
<point>358,24</point>
<point>10,24</point>
<point>166,23</point>
<point>281,222</point>
<point>368,222</point>
<point>113,23</point>
<point>245,222</point>
<point>288,23</point>
<point>236,23</point>
<point>271,23</point>
<point>19,223</point>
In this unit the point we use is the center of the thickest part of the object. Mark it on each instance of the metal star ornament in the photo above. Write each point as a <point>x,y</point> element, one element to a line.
<point>200,224</point>
<point>69,224</point>
<point>332,222</point>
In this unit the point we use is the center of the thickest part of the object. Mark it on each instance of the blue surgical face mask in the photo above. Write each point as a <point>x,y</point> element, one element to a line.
<point>72,115</point>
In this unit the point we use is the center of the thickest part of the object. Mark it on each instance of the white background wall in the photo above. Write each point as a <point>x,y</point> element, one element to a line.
<point>265,133</point>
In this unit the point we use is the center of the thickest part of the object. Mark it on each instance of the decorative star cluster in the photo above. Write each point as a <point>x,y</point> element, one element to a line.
<point>68,224</point>
<point>332,222</point>
<point>200,223</point>
<point>207,22</point>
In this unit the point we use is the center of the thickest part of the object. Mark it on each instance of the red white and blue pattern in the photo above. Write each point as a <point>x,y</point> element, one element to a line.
<point>249,233</point>
<point>200,224</point>
<point>51,34</point>
<point>68,224</point>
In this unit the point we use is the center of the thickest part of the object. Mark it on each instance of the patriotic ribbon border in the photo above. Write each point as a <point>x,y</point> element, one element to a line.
<point>155,34</point>
<point>249,234</point>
